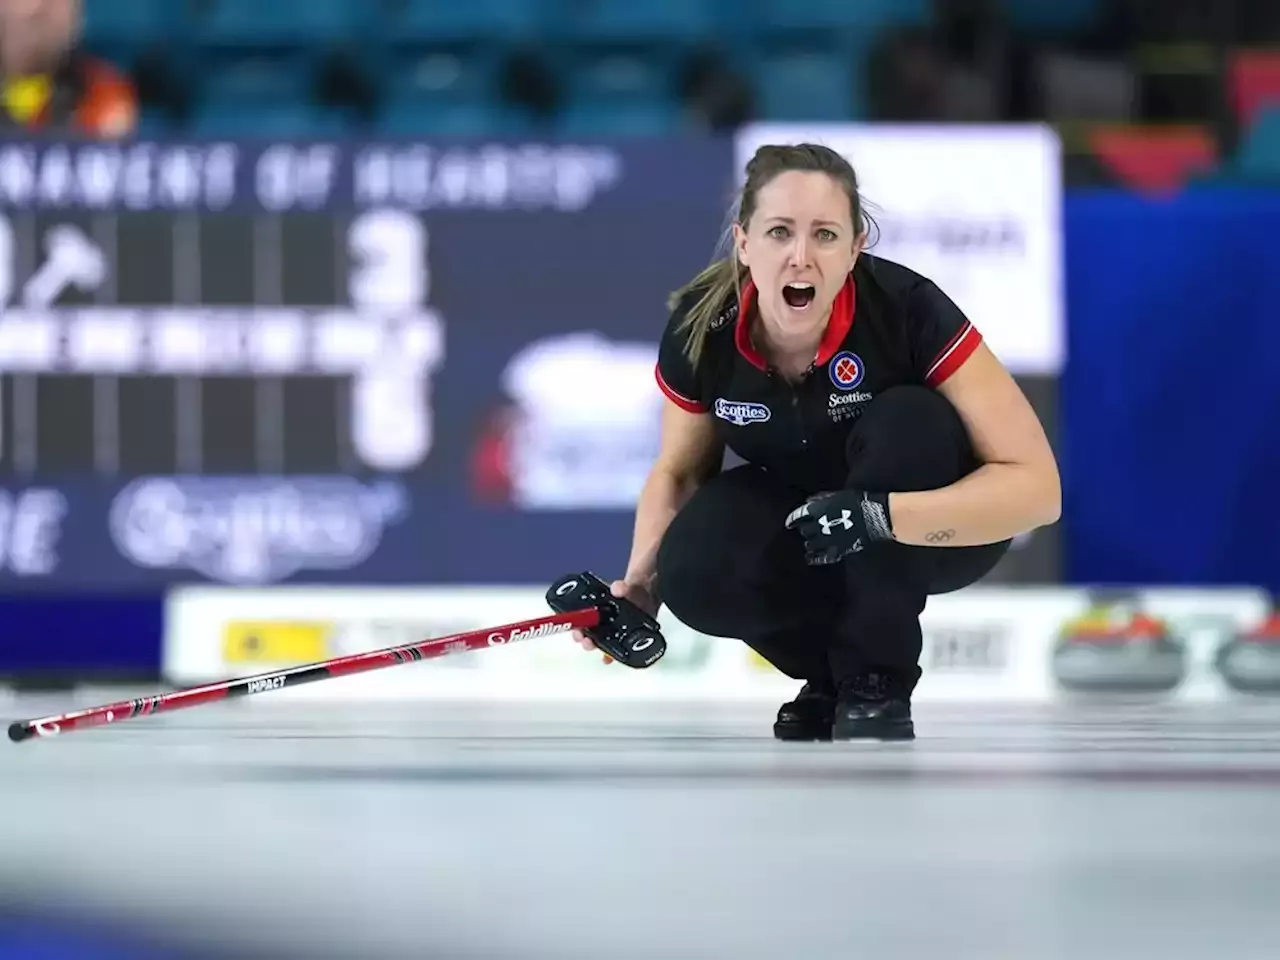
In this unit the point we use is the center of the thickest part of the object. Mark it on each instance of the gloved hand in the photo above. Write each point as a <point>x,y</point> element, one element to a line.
<point>842,522</point>
<point>641,594</point>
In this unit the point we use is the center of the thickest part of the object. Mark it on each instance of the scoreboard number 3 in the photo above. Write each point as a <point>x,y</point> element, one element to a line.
<point>388,251</point>
<point>391,404</point>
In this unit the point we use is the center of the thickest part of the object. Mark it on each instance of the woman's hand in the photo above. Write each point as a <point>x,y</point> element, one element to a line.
<point>639,594</point>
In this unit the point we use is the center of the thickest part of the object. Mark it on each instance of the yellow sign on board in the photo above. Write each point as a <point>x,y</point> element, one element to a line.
<point>276,641</point>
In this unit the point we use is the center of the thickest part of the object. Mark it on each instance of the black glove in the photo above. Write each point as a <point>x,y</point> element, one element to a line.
<point>837,524</point>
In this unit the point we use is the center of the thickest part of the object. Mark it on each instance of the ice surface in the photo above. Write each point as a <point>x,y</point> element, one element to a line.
<point>666,831</point>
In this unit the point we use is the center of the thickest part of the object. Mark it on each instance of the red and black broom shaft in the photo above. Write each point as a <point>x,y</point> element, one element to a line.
<point>297,676</point>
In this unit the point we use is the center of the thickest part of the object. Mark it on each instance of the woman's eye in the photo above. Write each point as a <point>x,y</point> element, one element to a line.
<point>826,236</point>
<point>778,233</point>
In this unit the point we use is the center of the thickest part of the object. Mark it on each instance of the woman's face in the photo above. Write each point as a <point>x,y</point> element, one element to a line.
<point>799,247</point>
<point>34,34</point>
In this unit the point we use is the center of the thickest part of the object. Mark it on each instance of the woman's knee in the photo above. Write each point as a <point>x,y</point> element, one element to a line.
<point>909,438</point>
<point>726,540</point>
<point>959,567</point>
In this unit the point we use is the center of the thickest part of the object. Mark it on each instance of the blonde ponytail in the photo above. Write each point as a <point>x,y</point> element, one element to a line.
<point>720,284</point>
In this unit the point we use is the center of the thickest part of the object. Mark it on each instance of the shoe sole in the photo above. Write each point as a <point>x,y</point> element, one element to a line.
<point>800,733</point>
<point>875,730</point>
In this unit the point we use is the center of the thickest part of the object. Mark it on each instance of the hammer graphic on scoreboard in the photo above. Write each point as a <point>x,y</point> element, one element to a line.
<point>72,259</point>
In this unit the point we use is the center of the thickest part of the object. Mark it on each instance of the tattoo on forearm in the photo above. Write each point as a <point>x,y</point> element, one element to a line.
<point>939,536</point>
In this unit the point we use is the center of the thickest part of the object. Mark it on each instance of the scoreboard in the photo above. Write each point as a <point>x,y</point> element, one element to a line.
<point>230,343</point>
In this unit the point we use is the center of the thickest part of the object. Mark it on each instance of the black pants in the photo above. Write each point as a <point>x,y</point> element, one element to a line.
<point>728,568</point>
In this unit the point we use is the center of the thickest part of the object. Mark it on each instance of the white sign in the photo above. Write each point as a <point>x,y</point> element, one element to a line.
<point>587,422</point>
<point>975,209</point>
<point>252,530</point>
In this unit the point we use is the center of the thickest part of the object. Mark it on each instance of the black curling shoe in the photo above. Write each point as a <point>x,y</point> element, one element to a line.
<point>873,707</point>
<point>810,715</point>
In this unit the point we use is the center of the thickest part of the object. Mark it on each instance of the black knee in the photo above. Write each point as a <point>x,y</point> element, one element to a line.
<point>683,570</point>
<point>723,548</point>
<point>909,438</point>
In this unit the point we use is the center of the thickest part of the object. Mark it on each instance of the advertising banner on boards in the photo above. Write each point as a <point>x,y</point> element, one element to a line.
<point>982,644</point>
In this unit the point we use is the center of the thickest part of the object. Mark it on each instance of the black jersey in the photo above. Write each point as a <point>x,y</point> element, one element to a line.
<point>889,326</point>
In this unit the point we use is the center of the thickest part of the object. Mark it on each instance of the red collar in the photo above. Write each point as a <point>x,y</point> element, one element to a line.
<point>838,326</point>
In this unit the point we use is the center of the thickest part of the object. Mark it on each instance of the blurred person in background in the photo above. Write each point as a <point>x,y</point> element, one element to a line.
<point>50,84</point>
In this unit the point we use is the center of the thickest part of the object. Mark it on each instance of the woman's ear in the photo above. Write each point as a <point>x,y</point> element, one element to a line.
<point>740,244</point>
<point>859,244</point>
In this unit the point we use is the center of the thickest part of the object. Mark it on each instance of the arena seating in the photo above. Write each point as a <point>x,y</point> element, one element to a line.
<point>621,67</point>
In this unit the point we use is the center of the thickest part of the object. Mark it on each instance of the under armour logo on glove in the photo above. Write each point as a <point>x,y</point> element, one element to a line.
<point>838,524</point>
<point>827,523</point>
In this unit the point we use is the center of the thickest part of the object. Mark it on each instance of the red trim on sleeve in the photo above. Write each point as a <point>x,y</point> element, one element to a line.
<point>681,401</point>
<point>952,357</point>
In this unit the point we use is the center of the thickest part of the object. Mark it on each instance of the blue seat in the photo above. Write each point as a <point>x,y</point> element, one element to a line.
<point>1038,16</point>
<point>589,119</point>
<point>633,20</point>
<point>130,23</point>
<point>443,92</point>
<point>255,78</point>
<point>807,86</point>
<point>271,121</point>
<point>868,17</point>
<point>440,74</point>
<point>618,94</point>
<point>416,118</point>
<point>153,126</point>
<point>618,75</point>
<point>252,23</point>
<point>1258,157</point>
<point>448,21</point>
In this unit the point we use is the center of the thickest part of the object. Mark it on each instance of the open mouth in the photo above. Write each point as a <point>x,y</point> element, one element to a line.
<point>799,295</point>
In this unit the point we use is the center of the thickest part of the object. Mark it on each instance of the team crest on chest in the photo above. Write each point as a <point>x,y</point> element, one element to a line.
<point>846,369</point>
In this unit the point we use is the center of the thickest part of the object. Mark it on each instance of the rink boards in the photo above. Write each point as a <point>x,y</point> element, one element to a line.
<point>982,644</point>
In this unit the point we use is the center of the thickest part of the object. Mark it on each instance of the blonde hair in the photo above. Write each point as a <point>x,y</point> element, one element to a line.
<point>724,277</point>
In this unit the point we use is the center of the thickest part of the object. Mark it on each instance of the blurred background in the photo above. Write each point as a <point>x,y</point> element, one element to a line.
<point>305,300</point>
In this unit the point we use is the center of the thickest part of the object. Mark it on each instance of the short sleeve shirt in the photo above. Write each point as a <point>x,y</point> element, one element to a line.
<point>889,326</point>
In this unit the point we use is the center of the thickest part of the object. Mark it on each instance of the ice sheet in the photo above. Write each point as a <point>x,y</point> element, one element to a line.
<point>668,830</point>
